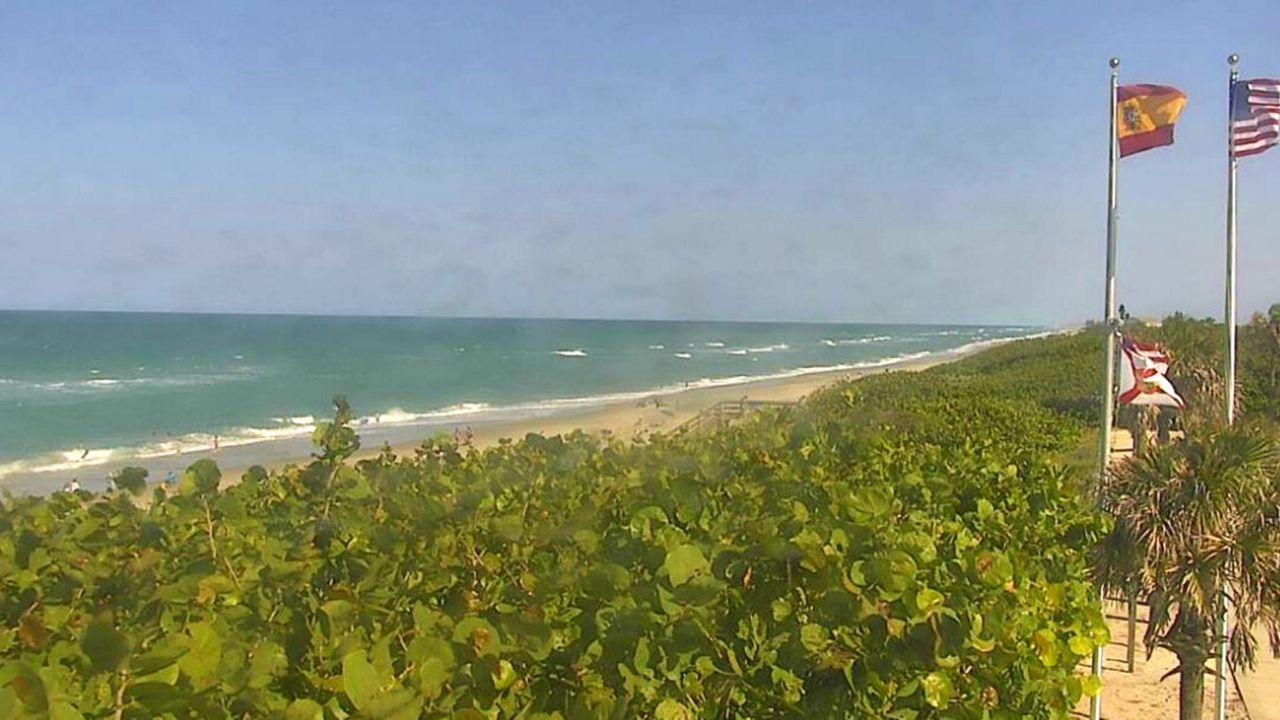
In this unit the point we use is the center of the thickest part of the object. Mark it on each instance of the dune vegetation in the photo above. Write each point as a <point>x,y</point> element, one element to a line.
<point>908,545</point>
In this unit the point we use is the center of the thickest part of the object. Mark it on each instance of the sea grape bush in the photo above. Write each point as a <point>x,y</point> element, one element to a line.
<point>896,547</point>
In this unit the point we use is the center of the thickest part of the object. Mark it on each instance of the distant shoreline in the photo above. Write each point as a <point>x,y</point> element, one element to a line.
<point>635,415</point>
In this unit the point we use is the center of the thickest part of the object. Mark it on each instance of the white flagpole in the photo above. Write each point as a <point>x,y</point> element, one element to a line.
<point>1220,682</point>
<point>1108,388</point>
<point>1231,252</point>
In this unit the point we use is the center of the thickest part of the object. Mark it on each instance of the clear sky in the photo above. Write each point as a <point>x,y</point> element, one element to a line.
<point>888,161</point>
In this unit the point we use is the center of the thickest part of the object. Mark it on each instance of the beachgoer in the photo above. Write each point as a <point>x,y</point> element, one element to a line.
<point>111,484</point>
<point>215,443</point>
<point>72,487</point>
<point>170,479</point>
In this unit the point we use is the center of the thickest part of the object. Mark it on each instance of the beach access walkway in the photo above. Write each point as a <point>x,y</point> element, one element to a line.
<point>1141,692</point>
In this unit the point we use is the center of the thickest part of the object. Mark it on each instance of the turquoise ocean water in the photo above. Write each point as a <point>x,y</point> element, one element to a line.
<point>81,393</point>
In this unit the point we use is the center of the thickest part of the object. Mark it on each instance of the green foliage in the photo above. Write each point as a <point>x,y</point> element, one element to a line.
<point>1194,520</point>
<point>201,478</point>
<point>899,547</point>
<point>132,480</point>
<point>336,441</point>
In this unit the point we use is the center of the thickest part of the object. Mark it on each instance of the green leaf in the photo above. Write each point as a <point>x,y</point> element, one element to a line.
<point>159,698</point>
<point>1091,685</point>
<point>815,638</point>
<point>684,563</point>
<point>994,568</point>
<point>201,663</point>
<point>1046,645</point>
<point>672,710</point>
<point>781,610</point>
<point>201,477</point>
<point>304,709</point>
<point>105,646</point>
<point>424,648</point>
<point>479,634</point>
<point>26,684</point>
<point>63,710</point>
<point>158,659</point>
<point>360,681</point>
<point>871,503</point>
<point>929,600</point>
<point>397,704</point>
<point>268,660</point>
<point>1080,645</point>
<point>937,689</point>
<point>508,527</point>
<point>432,675</point>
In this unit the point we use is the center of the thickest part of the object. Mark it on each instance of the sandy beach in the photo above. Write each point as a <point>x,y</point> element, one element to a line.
<point>660,412</point>
<point>638,415</point>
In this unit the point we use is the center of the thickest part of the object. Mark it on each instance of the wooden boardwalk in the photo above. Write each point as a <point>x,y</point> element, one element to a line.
<point>726,412</point>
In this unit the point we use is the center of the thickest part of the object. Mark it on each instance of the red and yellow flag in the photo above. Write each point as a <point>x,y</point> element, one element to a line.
<point>1145,115</point>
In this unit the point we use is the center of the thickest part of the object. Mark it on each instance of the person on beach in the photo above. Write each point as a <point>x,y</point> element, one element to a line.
<point>215,443</point>
<point>72,487</point>
<point>170,479</point>
<point>111,484</point>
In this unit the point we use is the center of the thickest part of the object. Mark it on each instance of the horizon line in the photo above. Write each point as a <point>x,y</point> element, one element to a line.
<point>406,316</point>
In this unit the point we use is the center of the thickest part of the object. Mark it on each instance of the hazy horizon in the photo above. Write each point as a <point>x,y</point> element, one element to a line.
<point>735,162</point>
<point>584,318</point>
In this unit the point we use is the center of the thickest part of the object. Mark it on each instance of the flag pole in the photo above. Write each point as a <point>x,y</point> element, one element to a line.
<point>1231,250</point>
<point>1220,682</point>
<point>1108,388</point>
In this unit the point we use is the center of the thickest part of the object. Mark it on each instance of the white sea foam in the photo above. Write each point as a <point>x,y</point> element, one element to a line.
<point>715,344</point>
<point>572,353</point>
<point>657,347</point>
<point>737,351</point>
<point>108,384</point>
<point>299,426</point>
<point>769,348</point>
<point>683,355</point>
<point>829,342</point>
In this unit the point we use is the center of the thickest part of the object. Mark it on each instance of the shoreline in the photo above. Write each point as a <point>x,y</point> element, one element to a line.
<point>634,415</point>
<point>632,420</point>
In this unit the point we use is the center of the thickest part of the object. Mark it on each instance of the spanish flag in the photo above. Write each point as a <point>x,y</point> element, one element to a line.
<point>1145,115</point>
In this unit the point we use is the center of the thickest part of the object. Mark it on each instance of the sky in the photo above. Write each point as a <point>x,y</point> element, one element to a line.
<point>808,161</point>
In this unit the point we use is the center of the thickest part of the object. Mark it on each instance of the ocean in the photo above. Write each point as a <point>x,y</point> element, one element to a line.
<point>82,393</point>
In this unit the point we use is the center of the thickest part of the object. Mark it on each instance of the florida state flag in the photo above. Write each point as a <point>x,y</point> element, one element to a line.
<point>1142,375</point>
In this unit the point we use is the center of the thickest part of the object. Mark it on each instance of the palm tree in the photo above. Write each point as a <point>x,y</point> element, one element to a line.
<point>1192,520</point>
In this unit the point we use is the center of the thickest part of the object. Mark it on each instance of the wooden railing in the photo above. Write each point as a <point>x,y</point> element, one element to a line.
<point>726,412</point>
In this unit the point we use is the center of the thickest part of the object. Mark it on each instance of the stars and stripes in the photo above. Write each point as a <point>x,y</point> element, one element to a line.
<point>1255,116</point>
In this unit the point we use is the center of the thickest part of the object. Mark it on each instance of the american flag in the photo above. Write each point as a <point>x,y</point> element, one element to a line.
<point>1255,116</point>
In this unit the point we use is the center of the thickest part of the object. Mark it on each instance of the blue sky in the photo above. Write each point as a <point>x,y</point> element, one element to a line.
<point>732,160</point>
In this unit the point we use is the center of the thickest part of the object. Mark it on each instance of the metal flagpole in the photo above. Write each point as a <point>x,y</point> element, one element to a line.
<point>1220,682</point>
<point>1108,388</point>
<point>1231,251</point>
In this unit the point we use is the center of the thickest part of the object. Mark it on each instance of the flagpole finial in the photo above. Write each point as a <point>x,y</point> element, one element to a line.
<point>1232,59</point>
<point>1114,63</point>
